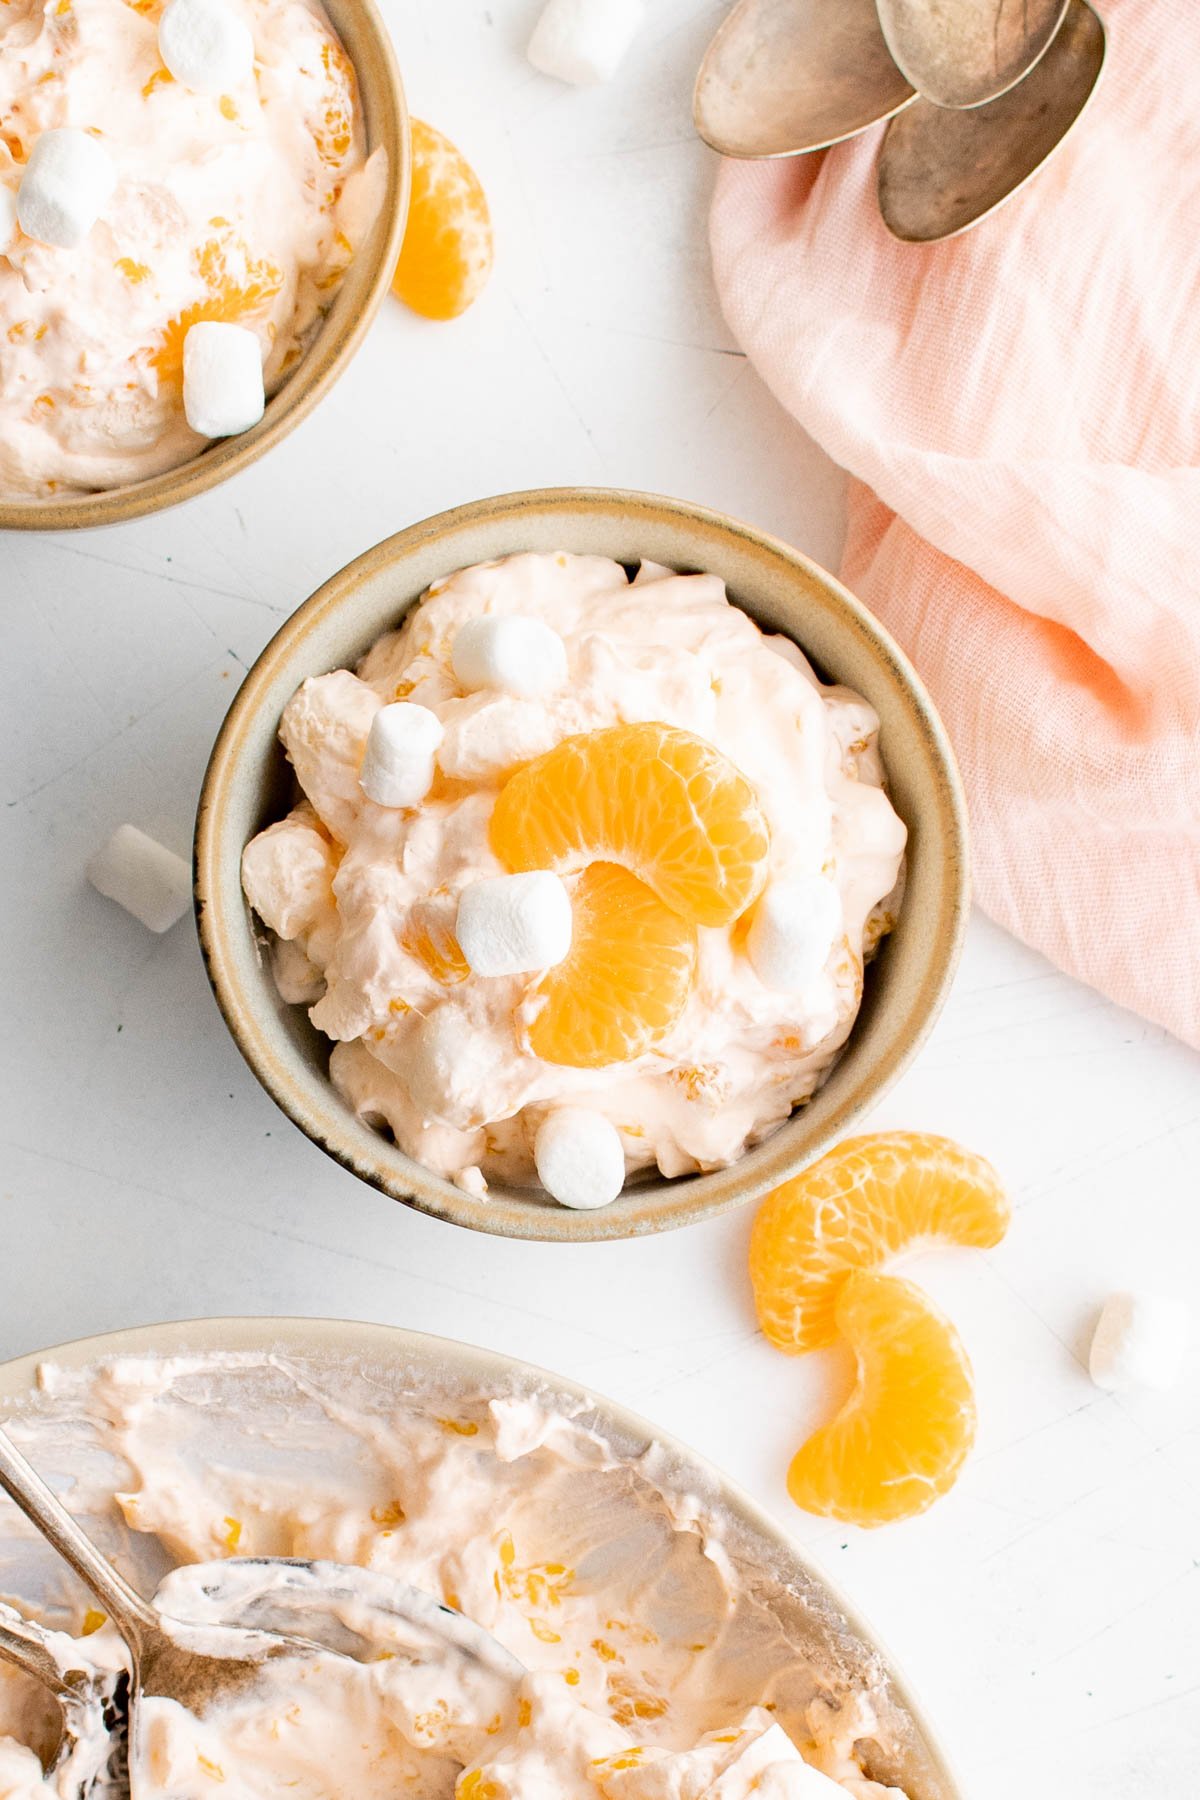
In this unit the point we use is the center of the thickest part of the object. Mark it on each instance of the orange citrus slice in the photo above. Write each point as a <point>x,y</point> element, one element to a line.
<point>626,980</point>
<point>446,256</point>
<point>238,285</point>
<point>868,1200</point>
<point>664,804</point>
<point>900,1440</point>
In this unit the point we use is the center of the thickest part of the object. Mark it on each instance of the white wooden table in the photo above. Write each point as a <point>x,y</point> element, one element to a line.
<point>1049,1610</point>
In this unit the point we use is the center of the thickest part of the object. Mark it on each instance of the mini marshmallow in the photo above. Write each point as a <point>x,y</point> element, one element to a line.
<point>1140,1341</point>
<point>579,1157</point>
<point>518,655</point>
<point>8,219</point>
<point>222,379</point>
<point>206,45</point>
<point>584,41</point>
<point>149,881</point>
<point>793,931</point>
<point>397,768</point>
<point>68,181</point>
<point>514,924</point>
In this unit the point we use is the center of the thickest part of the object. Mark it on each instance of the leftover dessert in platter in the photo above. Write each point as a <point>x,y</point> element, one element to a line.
<point>665,1656</point>
<point>181,190</point>
<point>581,877</point>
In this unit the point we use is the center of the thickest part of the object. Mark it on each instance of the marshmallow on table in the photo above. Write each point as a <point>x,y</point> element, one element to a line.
<point>1140,1341</point>
<point>503,650</point>
<point>583,41</point>
<point>397,768</point>
<point>514,924</point>
<point>222,379</point>
<point>579,1157</point>
<point>8,218</point>
<point>793,931</point>
<point>149,881</point>
<point>205,45</point>
<point>67,183</point>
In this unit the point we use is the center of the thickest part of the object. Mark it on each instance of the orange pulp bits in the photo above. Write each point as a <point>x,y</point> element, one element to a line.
<point>446,256</point>
<point>661,802</point>
<point>625,981</point>
<point>870,1199</point>
<point>899,1442</point>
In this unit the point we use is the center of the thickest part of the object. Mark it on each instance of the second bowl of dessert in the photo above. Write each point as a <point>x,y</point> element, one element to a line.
<point>579,835</point>
<point>261,187</point>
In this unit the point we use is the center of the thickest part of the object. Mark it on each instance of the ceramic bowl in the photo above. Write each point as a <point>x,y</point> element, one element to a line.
<point>365,36</point>
<point>247,786</point>
<point>813,1615</point>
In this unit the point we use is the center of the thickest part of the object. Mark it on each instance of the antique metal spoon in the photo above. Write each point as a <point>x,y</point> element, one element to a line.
<point>91,1707</point>
<point>785,76</point>
<point>967,52</point>
<point>941,171</point>
<point>201,1661</point>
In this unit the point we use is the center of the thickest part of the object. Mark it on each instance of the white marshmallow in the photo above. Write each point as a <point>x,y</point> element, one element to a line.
<point>518,655</point>
<point>1140,1341</point>
<point>584,41</point>
<point>513,924</point>
<point>8,218</point>
<point>580,1161</point>
<point>150,882</point>
<point>68,181</point>
<point>793,931</point>
<point>397,768</point>
<point>222,379</point>
<point>206,45</point>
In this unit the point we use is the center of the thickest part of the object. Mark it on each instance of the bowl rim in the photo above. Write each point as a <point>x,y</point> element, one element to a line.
<point>317,369</point>
<point>297,1334</point>
<point>440,1198</point>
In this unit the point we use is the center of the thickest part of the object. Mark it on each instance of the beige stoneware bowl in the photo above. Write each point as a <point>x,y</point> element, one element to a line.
<point>247,786</point>
<point>814,1615</point>
<point>365,36</point>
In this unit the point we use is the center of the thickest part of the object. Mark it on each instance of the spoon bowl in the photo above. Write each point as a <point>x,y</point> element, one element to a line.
<point>963,53</point>
<point>782,77</point>
<point>941,171</point>
<point>200,1660</point>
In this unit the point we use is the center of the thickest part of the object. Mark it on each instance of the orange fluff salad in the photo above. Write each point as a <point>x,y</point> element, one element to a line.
<point>582,870</point>
<point>242,206</point>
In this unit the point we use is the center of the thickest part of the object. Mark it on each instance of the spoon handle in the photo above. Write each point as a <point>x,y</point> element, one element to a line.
<point>128,1611</point>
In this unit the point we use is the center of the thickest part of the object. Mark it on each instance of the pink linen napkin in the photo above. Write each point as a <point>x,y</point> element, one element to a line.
<point>1020,408</point>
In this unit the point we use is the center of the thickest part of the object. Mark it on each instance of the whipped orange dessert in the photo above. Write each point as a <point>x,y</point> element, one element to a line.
<point>651,1645</point>
<point>582,875</point>
<point>240,207</point>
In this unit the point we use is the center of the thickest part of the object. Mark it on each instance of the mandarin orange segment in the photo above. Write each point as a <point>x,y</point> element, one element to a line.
<point>429,938</point>
<point>868,1200</point>
<point>334,131</point>
<point>900,1440</point>
<point>446,256</point>
<point>238,285</point>
<point>626,980</point>
<point>661,802</point>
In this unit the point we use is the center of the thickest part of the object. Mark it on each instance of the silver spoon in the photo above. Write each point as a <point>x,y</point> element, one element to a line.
<point>942,171</point>
<point>967,52</point>
<point>89,1708</point>
<point>785,76</point>
<point>198,1664</point>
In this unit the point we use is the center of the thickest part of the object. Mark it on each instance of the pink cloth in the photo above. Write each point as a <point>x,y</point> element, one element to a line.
<point>1023,405</point>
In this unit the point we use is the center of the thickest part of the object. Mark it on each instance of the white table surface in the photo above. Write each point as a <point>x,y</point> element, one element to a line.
<point>1049,1609</point>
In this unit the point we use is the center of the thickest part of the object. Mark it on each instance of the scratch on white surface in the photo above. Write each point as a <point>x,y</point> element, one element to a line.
<point>114,737</point>
<point>171,580</point>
